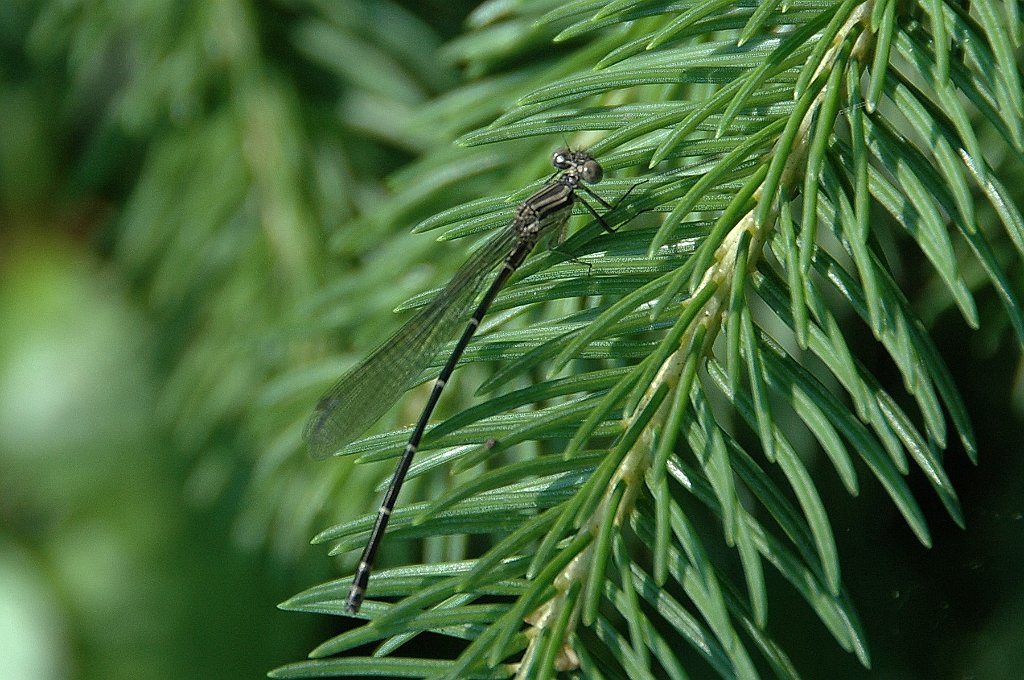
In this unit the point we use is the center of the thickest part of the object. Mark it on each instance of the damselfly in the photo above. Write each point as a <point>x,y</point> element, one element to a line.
<point>363,395</point>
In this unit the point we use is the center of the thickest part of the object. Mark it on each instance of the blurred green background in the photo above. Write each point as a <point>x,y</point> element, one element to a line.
<point>169,173</point>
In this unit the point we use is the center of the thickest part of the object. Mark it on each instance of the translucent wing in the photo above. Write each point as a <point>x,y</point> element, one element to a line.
<point>366,392</point>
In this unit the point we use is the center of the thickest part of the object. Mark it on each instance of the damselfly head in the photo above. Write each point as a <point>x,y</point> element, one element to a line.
<point>579,162</point>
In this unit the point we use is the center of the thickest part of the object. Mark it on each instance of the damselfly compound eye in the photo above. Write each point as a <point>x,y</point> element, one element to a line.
<point>591,172</point>
<point>561,159</point>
